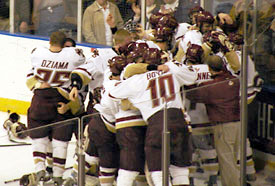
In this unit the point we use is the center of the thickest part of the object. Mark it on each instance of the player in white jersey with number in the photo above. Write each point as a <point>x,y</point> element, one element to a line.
<point>102,129</point>
<point>148,92</point>
<point>204,154</point>
<point>49,80</point>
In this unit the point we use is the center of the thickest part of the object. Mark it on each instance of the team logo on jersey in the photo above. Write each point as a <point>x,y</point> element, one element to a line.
<point>197,69</point>
<point>191,68</point>
<point>95,52</point>
<point>79,52</point>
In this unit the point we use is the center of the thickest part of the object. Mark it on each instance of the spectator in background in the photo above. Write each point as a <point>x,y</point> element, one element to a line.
<point>22,15</point>
<point>125,8</point>
<point>263,56</point>
<point>100,20</point>
<point>223,8</point>
<point>69,42</point>
<point>47,16</point>
<point>152,7</point>
<point>179,8</point>
<point>50,91</point>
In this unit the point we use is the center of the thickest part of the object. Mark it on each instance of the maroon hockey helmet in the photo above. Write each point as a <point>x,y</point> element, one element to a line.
<point>194,54</point>
<point>152,56</point>
<point>125,49</point>
<point>154,19</point>
<point>136,52</point>
<point>163,34</point>
<point>117,64</point>
<point>195,9</point>
<point>168,20</point>
<point>204,17</point>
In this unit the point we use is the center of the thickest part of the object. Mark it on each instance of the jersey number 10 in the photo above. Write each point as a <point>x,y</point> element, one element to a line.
<point>165,90</point>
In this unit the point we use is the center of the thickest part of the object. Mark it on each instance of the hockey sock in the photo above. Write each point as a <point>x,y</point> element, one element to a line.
<point>126,177</point>
<point>59,157</point>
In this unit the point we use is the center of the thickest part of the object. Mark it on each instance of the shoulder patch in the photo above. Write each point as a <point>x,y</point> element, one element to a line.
<point>95,52</point>
<point>79,52</point>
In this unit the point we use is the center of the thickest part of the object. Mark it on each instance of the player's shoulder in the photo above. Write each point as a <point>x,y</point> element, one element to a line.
<point>193,33</point>
<point>39,49</point>
<point>73,51</point>
<point>183,27</point>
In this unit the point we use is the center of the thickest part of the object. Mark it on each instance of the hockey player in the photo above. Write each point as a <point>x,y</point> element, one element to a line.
<point>102,148</point>
<point>204,153</point>
<point>92,74</point>
<point>254,83</point>
<point>143,93</point>
<point>49,80</point>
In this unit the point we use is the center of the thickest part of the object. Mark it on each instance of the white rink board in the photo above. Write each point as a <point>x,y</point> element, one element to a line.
<point>15,64</point>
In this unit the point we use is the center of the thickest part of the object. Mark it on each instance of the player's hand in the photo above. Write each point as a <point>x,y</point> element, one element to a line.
<point>225,18</point>
<point>140,31</point>
<point>111,21</point>
<point>62,108</point>
<point>193,27</point>
<point>165,56</point>
<point>136,9</point>
<point>207,39</point>
<point>163,68</point>
<point>73,94</point>
<point>164,10</point>
<point>35,19</point>
<point>222,40</point>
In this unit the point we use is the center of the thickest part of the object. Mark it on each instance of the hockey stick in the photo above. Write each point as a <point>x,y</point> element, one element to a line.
<point>15,145</point>
<point>17,179</point>
<point>13,180</point>
<point>19,142</point>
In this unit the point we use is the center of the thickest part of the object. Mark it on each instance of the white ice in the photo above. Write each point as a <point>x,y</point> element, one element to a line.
<point>16,161</point>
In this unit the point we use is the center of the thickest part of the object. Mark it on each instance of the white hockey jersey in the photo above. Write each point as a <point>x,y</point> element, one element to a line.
<point>54,67</point>
<point>107,107</point>
<point>182,29</point>
<point>253,79</point>
<point>92,72</point>
<point>197,112</point>
<point>148,91</point>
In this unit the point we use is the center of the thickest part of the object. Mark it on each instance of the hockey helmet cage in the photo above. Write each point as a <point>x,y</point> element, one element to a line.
<point>131,26</point>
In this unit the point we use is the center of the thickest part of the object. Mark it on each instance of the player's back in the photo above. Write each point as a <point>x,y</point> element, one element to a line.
<point>55,67</point>
<point>149,90</point>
